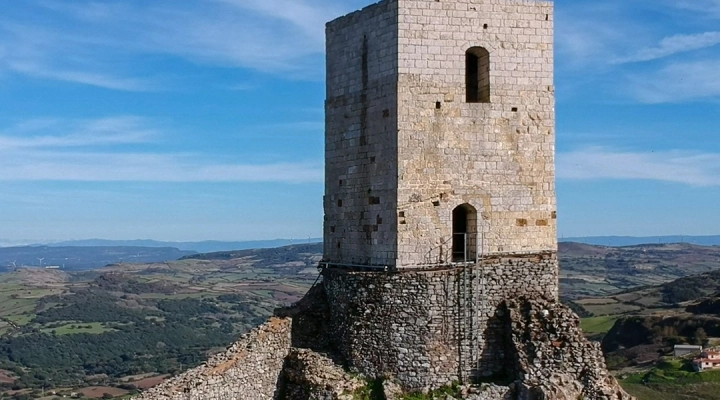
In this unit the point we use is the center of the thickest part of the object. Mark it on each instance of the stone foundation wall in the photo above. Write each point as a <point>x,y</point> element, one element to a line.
<point>430,328</point>
<point>247,370</point>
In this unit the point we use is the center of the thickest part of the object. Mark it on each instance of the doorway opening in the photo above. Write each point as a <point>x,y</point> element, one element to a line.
<point>464,241</point>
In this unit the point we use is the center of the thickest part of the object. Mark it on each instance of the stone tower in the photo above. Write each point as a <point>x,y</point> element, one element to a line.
<point>440,261</point>
<point>439,133</point>
<point>440,186</point>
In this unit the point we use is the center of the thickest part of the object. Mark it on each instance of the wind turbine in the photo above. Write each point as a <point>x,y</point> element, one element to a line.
<point>14,265</point>
<point>41,260</point>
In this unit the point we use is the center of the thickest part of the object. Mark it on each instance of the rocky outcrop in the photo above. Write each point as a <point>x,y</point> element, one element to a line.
<point>311,375</point>
<point>551,358</point>
<point>546,357</point>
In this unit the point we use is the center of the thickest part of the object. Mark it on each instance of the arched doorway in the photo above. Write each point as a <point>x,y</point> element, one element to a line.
<point>464,230</point>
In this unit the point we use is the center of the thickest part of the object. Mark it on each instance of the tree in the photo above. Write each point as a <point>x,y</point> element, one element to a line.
<point>700,336</point>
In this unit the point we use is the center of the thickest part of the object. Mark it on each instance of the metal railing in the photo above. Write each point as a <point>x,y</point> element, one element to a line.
<point>458,248</point>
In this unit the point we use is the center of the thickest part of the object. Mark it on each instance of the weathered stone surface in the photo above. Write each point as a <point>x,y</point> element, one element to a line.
<point>308,375</point>
<point>404,147</point>
<point>431,328</point>
<point>545,353</point>
<point>247,370</point>
<point>550,356</point>
<point>489,392</point>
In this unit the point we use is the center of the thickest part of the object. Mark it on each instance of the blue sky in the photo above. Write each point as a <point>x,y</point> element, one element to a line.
<point>203,119</point>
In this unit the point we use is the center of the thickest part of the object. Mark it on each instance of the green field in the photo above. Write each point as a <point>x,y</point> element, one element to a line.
<point>673,379</point>
<point>705,391</point>
<point>598,324</point>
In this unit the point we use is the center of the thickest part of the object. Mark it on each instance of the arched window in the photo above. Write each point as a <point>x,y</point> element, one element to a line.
<point>477,75</point>
<point>464,233</point>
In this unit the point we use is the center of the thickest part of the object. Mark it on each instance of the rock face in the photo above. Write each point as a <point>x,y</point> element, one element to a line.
<point>546,357</point>
<point>550,357</point>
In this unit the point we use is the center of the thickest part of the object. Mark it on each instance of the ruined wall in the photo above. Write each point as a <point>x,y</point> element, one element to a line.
<point>550,356</point>
<point>496,156</point>
<point>431,328</point>
<point>361,137</point>
<point>247,370</point>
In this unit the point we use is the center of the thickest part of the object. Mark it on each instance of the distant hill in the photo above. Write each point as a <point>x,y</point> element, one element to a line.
<point>272,255</point>
<point>75,258</point>
<point>128,326</point>
<point>199,247</point>
<point>588,270</point>
<point>686,310</point>
<point>209,246</point>
<point>637,240</point>
<point>166,316</point>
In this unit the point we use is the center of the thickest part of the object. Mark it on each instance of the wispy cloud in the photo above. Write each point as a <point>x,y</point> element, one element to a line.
<point>708,8</point>
<point>143,167</point>
<point>94,151</point>
<point>607,46</point>
<point>677,82</point>
<point>106,44</point>
<point>691,168</point>
<point>673,45</point>
<point>38,70</point>
<point>309,16</point>
<point>585,39</point>
<point>53,133</point>
<point>44,53</point>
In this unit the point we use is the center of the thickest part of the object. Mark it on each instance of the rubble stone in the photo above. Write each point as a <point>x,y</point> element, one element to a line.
<point>546,358</point>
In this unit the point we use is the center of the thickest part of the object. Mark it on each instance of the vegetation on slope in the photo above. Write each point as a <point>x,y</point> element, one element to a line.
<point>126,324</point>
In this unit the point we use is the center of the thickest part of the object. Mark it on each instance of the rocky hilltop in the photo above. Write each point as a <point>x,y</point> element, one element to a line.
<point>292,357</point>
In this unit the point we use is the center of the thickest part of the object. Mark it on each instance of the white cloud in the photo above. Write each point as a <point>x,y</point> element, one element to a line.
<point>309,16</point>
<point>146,167</point>
<point>673,45</point>
<point>38,70</point>
<point>93,151</point>
<point>52,133</point>
<point>584,38</point>
<point>677,82</point>
<point>691,168</point>
<point>43,53</point>
<point>106,44</point>
<point>707,8</point>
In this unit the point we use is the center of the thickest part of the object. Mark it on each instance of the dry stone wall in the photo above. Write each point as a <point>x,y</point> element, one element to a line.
<point>431,328</point>
<point>247,370</point>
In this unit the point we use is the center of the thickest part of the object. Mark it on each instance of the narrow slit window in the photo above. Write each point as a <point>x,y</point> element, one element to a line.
<point>477,75</point>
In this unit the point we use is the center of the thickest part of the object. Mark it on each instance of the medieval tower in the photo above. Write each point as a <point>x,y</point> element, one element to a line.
<point>440,186</point>
<point>440,251</point>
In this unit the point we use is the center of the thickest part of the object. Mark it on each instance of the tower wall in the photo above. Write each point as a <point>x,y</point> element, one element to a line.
<point>430,328</point>
<point>360,226</point>
<point>497,157</point>
<point>409,154</point>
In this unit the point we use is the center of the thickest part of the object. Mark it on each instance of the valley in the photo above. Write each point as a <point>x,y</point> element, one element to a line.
<point>126,326</point>
<point>121,328</point>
